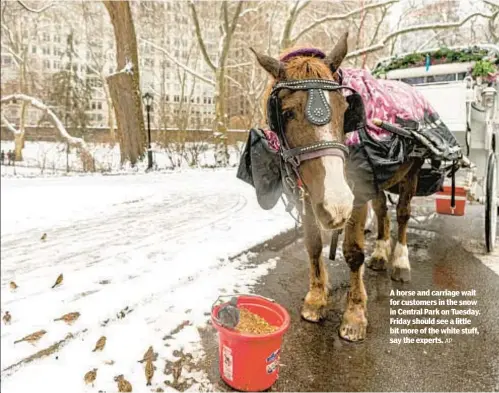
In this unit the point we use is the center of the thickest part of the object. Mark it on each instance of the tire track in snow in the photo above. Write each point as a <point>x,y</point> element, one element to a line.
<point>95,233</point>
<point>183,228</point>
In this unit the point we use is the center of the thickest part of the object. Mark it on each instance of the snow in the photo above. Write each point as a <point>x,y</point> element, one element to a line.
<point>158,243</point>
<point>49,158</point>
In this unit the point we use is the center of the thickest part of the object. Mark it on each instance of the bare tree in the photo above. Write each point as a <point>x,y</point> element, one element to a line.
<point>96,64</point>
<point>421,27</point>
<point>16,34</point>
<point>124,85</point>
<point>290,38</point>
<point>86,157</point>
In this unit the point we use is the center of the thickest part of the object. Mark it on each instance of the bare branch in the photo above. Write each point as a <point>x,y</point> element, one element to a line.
<point>434,26</point>
<point>199,36</point>
<point>33,10</point>
<point>183,66</point>
<point>491,2</point>
<point>341,17</point>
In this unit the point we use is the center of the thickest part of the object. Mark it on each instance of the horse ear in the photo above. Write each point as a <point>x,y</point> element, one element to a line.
<point>334,59</point>
<point>273,66</point>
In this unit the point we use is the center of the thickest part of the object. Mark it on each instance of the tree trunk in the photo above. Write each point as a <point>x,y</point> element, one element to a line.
<point>125,87</point>
<point>221,148</point>
<point>18,146</point>
<point>110,121</point>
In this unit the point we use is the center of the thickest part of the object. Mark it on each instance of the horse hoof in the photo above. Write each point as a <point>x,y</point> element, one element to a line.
<point>353,331</point>
<point>377,264</point>
<point>312,313</point>
<point>354,324</point>
<point>400,274</point>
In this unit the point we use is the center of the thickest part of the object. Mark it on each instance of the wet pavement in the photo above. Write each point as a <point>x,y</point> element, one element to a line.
<point>314,358</point>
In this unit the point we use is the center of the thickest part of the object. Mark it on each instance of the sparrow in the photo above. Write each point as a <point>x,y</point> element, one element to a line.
<point>90,376</point>
<point>32,338</point>
<point>101,342</point>
<point>177,370</point>
<point>149,371</point>
<point>7,317</point>
<point>150,354</point>
<point>123,384</point>
<point>44,237</point>
<point>13,285</point>
<point>58,281</point>
<point>69,318</point>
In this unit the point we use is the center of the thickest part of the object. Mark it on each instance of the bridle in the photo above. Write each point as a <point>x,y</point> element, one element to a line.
<point>318,112</point>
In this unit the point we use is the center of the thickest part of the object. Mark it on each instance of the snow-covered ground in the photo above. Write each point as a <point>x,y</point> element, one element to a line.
<point>156,243</point>
<point>49,158</point>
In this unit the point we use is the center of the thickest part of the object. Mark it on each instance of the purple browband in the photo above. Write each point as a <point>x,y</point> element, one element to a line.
<point>304,52</point>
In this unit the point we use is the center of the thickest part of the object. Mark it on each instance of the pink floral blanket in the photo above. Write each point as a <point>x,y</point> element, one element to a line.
<point>385,100</point>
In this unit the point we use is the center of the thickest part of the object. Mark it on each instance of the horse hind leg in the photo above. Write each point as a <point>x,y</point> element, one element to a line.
<point>316,299</point>
<point>401,268</point>
<point>354,324</point>
<point>382,250</point>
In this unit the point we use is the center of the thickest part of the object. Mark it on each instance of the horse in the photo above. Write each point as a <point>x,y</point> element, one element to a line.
<point>328,202</point>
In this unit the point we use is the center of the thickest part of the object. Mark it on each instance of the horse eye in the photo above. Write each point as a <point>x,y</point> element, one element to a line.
<point>289,115</point>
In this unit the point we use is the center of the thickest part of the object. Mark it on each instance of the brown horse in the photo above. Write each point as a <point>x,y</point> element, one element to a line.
<point>328,201</point>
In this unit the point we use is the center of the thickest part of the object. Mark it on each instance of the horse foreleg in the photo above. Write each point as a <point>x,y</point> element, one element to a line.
<point>316,299</point>
<point>382,250</point>
<point>354,323</point>
<point>401,268</point>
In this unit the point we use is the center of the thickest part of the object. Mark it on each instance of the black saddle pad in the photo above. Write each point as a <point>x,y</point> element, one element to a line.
<point>260,166</point>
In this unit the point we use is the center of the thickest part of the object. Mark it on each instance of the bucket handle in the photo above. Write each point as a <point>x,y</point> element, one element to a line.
<point>231,296</point>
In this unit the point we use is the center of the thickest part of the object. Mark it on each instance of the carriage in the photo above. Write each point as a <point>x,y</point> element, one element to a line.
<point>467,100</point>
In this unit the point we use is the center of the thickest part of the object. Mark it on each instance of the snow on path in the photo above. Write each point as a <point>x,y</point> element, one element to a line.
<point>157,244</point>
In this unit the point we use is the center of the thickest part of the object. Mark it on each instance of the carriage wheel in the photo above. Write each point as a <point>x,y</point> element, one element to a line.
<point>491,203</point>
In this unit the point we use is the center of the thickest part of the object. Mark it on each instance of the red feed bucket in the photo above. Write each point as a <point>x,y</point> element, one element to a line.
<point>443,201</point>
<point>250,362</point>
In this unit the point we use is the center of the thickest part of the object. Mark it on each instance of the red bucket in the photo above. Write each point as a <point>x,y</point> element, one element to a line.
<point>443,200</point>
<point>250,362</point>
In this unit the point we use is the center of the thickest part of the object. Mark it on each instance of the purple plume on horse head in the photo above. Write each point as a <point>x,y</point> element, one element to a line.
<point>311,52</point>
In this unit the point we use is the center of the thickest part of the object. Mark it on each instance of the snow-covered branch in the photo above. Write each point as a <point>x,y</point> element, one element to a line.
<point>33,10</point>
<point>183,66</point>
<point>9,126</point>
<point>52,116</point>
<point>430,26</point>
<point>341,17</point>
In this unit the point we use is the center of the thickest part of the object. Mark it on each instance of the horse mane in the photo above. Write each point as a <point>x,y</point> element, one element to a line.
<point>307,63</point>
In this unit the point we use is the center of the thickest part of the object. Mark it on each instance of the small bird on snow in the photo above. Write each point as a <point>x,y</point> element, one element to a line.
<point>149,370</point>
<point>90,376</point>
<point>32,338</point>
<point>150,354</point>
<point>7,317</point>
<point>123,384</point>
<point>58,281</point>
<point>69,318</point>
<point>177,370</point>
<point>101,342</point>
<point>44,237</point>
<point>13,285</point>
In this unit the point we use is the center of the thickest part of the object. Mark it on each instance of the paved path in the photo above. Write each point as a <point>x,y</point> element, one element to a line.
<point>314,358</point>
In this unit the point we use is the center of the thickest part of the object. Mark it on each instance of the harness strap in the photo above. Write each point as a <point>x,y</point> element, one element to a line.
<point>315,150</point>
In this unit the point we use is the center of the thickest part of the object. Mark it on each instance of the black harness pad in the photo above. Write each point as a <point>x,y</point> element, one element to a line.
<point>260,166</point>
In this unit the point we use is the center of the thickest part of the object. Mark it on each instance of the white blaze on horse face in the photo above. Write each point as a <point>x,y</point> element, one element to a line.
<point>338,197</point>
